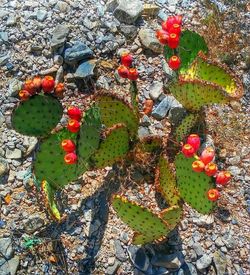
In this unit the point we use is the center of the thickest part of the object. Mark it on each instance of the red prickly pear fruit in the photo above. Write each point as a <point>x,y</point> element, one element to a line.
<point>48,84</point>
<point>74,113</point>
<point>195,141</point>
<point>173,40</point>
<point>198,166</point>
<point>175,28</point>
<point>163,39</point>
<point>68,145</point>
<point>167,25</point>
<point>174,62</point>
<point>211,169</point>
<point>148,106</point>
<point>70,158</point>
<point>73,126</point>
<point>213,194</point>
<point>160,32</point>
<point>37,82</point>
<point>123,71</point>
<point>126,59</point>
<point>29,86</point>
<point>207,155</point>
<point>187,150</point>
<point>24,95</point>
<point>133,74</point>
<point>223,177</point>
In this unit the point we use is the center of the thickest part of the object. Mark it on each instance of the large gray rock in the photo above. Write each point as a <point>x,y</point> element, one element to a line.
<point>149,41</point>
<point>15,86</point>
<point>33,224</point>
<point>155,90</point>
<point>129,31</point>
<point>128,11</point>
<point>77,52</point>
<point>85,69</point>
<point>6,249</point>
<point>13,154</point>
<point>59,36</point>
<point>138,257</point>
<point>203,262</point>
<point>162,109</point>
<point>171,261</point>
<point>220,262</point>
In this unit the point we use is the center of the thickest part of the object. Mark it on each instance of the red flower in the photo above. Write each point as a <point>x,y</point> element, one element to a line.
<point>123,71</point>
<point>29,86</point>
<point>188,150</point>
<point>133,74</point>
<point>223,177</point>
<point>198,166</point>
<point>70,158</point>
<point>173,41</point>
<point>48,84</point>
<point>37,82</point>
<point>126,59</point>
<point>174,62</point>
<point>160,32</point>
<point>194,140</point>
<point>177,19</point>
<point>73,126</point>
<point>74,113</point>
<point>207,155</point>
<point>213,194</point>
<point>211,169</point>
<point>68,145</point>
<point>24,95</point>
<point>175,28</point>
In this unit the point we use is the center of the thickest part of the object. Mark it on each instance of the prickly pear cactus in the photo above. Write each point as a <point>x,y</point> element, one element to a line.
<point>114,146</point>
<point>148,226</point>
<point>213,72</point>
<point>114,109</point>
<point>193,186</point>
<point>194,94</point>
<point>186,125</point>
<point>166,183</point>
<point>151,144</point>
<point>191,43</point>
<point>48,193</point>
<point>37,116</point>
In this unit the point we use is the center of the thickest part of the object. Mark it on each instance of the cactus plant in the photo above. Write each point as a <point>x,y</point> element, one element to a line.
<point>148,226</point>
<point>191,43</point>
<point>37,116</point>
<point>151,144</point>
<point>114,146</point>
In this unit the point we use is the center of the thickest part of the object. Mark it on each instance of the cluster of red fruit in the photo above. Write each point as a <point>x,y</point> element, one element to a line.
<point>125,70</point>
<point>170,35</point>
<point>34,86</point>
<point>73,126</point>
<point>205,163</point>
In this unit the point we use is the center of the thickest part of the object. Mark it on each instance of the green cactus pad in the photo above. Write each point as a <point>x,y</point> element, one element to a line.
<point>186,125</point>
<point>193,186</point>
<point>89,136</point>
<point>115,110</point>
<point>166,183</point>
<point>49,163</point>
<point>37,116</point>
<point>49,199</point>
<point>150,144</point>
<point>114,146</point>
<point>193,94</point>
<point>172,215</point>
<point>204,69</point>
<point>134,92</point>
<point>140,219</point>
<point>191,43</point>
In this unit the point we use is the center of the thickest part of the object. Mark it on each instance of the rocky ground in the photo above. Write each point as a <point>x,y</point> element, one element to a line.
<point>92,240</point>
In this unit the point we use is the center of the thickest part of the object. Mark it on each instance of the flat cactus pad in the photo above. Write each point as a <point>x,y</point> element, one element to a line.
<point>191,43</point>
<point>211,71</point>
<point>115,110</point>
<point>37,116</point>
<point>193,94</point>
<point>193,186</point>
<point>114,146</point>
<point>172,215</point>
<point>151,144</point>
<point>49,199</point>
<point>140,219</point>
<point>166,183</point>
<point>49,163</point>
<point>185,127</point>
<point>89,136</point>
